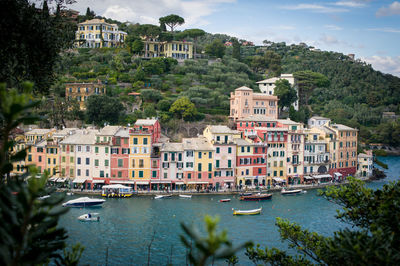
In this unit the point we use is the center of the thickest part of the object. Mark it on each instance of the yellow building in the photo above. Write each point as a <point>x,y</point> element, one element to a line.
<point>203,162</point>
<point>139,157</point>
<point>19,166</point>
<point>52,158</point>
<point>173,49</point>
<point>97,33</point>
<point>81,92</point>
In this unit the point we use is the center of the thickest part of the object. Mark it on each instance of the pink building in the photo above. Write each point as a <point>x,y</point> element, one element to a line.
<point>120,155</point>
<point>244,103</point>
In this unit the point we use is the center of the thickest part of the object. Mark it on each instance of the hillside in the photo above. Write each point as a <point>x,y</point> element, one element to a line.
<point>356,94</point>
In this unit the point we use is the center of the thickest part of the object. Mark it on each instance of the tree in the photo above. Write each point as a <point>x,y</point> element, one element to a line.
<point>30,50</point>
<point>307,81</point>
<point>148,31</point>
<point>150,95</point>
<point>29,232</point>
<point>195,34</point>
<point>89,14</point>
<point>286,93</point>
<point>102,108</point>
<point>216,48</point>
<point>236,49</point>
<point>270,63</point>
<point>183,108</point>
<point>375,241</point>
<point>171,21</point>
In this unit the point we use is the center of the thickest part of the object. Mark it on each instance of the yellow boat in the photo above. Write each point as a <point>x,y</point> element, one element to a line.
<point>248,212</point>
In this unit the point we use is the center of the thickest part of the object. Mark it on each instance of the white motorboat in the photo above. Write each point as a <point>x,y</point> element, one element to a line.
<point>44,197</point>
<point>70,193</point>
<point>83,202</point>
<point>247,212</point>
<point>185,196</point>
<point>89,217</point>
<point>290,192</point>
<point>162,196</point>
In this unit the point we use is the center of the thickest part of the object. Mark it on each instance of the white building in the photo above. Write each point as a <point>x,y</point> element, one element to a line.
<point>267,86</point>
<point>365,164</point>
<point>318,121</point>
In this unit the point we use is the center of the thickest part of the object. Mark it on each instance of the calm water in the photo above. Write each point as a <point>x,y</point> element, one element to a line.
<point>127,225</point>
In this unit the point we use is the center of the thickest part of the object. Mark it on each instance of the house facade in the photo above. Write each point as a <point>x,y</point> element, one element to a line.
<point>82,91</point>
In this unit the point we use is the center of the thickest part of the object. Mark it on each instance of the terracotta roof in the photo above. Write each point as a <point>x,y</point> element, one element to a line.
<point>220,129</point>
<point>145,122</point>
<point>243,88</point>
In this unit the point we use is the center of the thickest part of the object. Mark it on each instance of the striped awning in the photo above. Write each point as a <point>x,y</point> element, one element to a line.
<point>80,180</point>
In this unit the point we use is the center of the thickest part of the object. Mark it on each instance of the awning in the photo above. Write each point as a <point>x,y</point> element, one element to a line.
<point>179,183</point>
<point>122,182</point>
<point>277,179</point>
<point>142,182</point>
<point>53,178</point>
<point>98,181</point>
<point>161,181</point>
<point>308,177</point>
<point>197,182</point>
<point>229,181</point>
<point>338,174</point>
<point>322,176</point>
<point>61,180</point>
<point>79,180</point>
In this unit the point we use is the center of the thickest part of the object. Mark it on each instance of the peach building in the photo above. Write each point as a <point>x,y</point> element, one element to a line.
<point>244,103</point>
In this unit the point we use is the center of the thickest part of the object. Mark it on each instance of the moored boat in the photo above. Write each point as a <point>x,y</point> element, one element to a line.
<point>117,191</point>
<point>256,197</point>
<point>224,200</point>
<point>185,196</point>
<point>290,192</point>
<point>89,217</point>
<point>246,194</point>
<point>247,212</point>
<point>83,202</point>
<point>162,196</point>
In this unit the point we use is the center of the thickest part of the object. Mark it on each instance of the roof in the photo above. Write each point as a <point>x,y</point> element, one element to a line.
<point>272,128</point>
<point>65,131</point>
<point>363,155</point>
<point>288,122</point>
<point>320,118</point>
<point>243,88</point>
<point>145,122</point>
<point>199,144</point>
<point>257,118</point>
<point>265,96</point>
<point>172,146</point>
<point>81,137</point>
<point>343,127</point>
<point>109,130</point>
<point>270,80</point>
<point>39,131</point>
<point>220,129</point>
<point>96,21</point>
<point>122,133</point>
<point>242,142</point>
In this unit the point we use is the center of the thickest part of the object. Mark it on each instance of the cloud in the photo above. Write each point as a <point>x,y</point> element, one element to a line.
<point>391,30</point>
<point>333,27</point>
<point>385,64</point>
<point>350,3</point>
<point>194,12</point>
<point>315,8</point>
<point>393,9</point>
<point>328,39</point>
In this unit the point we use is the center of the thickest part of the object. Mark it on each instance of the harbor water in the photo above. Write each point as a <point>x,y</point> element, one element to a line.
<point>127,226</point>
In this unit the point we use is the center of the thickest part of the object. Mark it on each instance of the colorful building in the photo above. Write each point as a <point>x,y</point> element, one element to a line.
<point>365,164</point>
<point>119,156</point>
<point>97,33</point>
<point>244,103</point>
<point>173,49</point>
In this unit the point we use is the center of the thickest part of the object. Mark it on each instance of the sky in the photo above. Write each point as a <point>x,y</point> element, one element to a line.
<point>370,29</point>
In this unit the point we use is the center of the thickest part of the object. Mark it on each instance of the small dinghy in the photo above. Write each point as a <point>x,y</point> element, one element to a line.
<point>247,212</point>
<point>89,217</point>
<point>44,197</point>
<point>162,196</point>
<point>185,196</point>
<point>290,192</point>
<point>224,200</point>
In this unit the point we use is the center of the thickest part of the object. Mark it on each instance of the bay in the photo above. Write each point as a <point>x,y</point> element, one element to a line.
<point>127,225</point>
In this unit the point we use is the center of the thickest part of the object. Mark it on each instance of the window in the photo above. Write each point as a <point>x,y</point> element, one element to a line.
<point>199,176</point>
<point>87,161</point>
<point>141,162</point>
<point>48,160</point>
<point>218,138</point>
<point>105,162</point>
<point>144,141</point>
<point>259,170</point>
<point>120,162</point>
<point>217,163</point>
<point>154,174</point>
<point>87,172</point>
<point>280,173</point>
<point>114,150</point>
<point>189,176</point>
<point>209,176</point>
<point>79,160</point>
<point>106,149</point>
<point>87,148</point>
<point>135,141</point>
<point>179,156</point>
<point>30,158</point>
<point>199,167</point>
<point>96,162</point>
<point>40,158</point>
<point>96,149</point>
<point>210,167</point>
<point>230,150</point>
<point>140,173</point>
<point>229,163</point>
<point>133,173</point>
<point>165,156</point>
<point>217,150</point>
<point>78,172</point>
<point>199,155</point>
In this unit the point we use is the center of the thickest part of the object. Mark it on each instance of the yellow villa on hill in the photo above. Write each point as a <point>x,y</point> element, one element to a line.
<point>172,49</point>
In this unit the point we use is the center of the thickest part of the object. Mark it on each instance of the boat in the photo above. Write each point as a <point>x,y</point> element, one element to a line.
<point>117,191</point>
<point>247,212</point>
<point>84,202</point>
<point>162,196</point>
<point>44,197</point>
<point>89,217</point>
<point>185,196</point>
<point>70,193</point>
<point>246,194</point>
<point>256,197</point>
<point>290,192</point>
<point>224,200</point>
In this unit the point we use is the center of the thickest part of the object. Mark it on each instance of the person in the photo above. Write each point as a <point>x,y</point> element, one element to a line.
<point>89,215</point>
